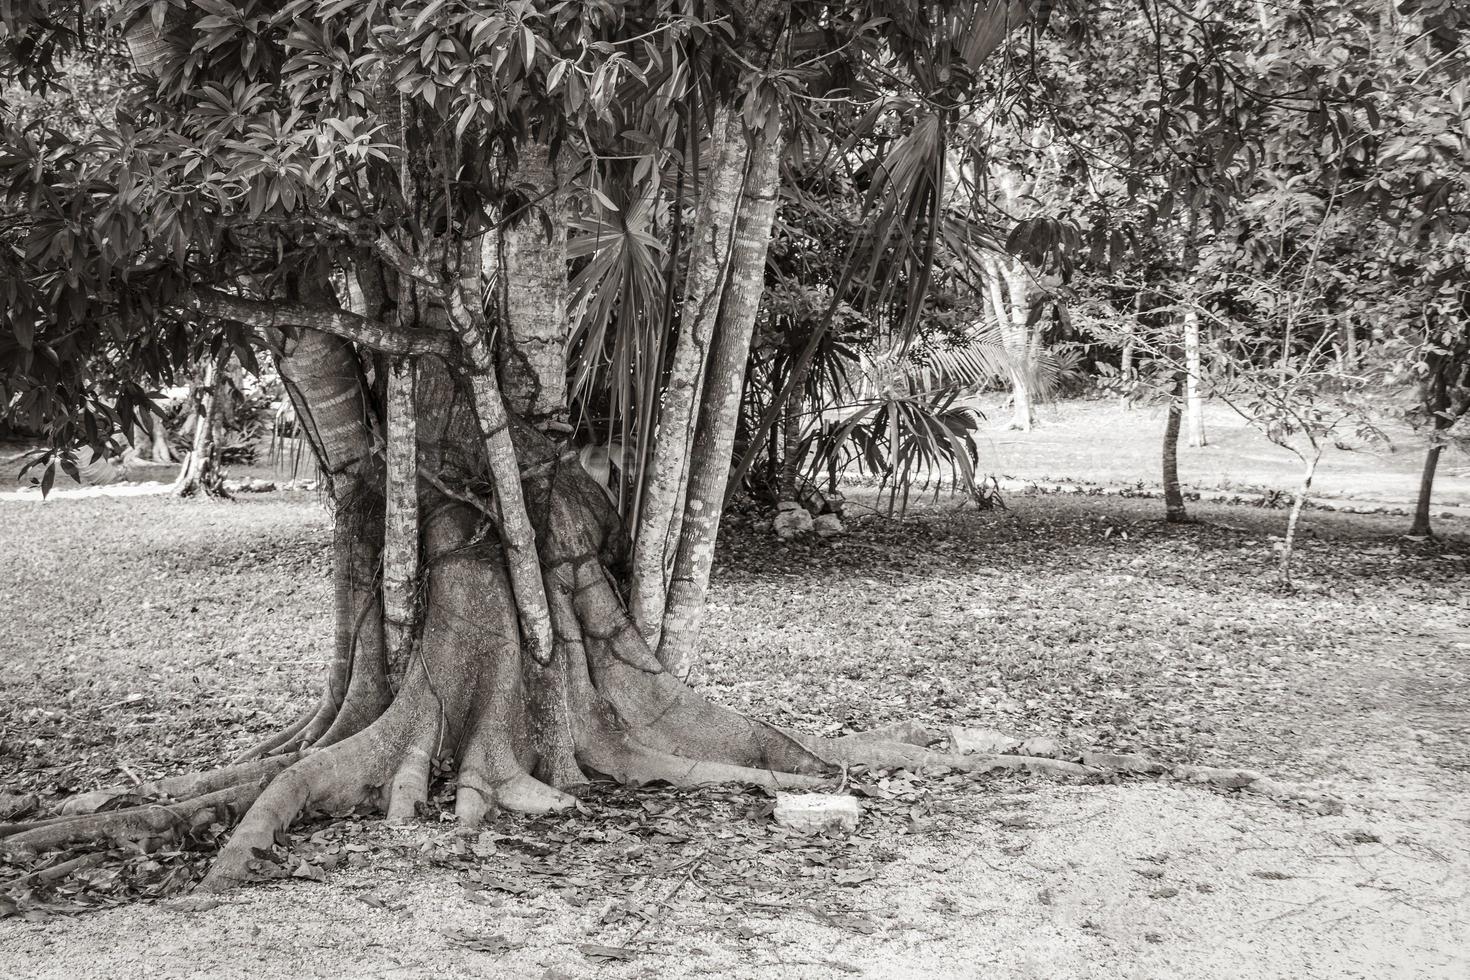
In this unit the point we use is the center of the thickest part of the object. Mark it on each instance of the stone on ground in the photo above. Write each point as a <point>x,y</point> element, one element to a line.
<point>792,521</point>
<point>828,525</point>
<point>812,813</point>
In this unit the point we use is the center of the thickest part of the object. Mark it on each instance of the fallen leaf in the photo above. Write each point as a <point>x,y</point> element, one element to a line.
<point>606,954</point>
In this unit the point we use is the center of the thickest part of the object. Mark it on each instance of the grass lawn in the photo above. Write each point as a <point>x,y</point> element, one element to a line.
<point>1099,441</point>
<point>147,635</point>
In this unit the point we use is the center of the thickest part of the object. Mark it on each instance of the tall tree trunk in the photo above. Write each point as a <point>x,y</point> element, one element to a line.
<point>719,411</point>
<point>1193,381</point>
<point>1174,511</point>
<point>661,510</point>
<point>791,436</point>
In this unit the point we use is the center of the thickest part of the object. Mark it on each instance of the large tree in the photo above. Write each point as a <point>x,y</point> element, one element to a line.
<point>418,210</point>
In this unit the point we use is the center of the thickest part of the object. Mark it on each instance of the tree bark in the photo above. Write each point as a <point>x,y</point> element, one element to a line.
<point>1174,511</point>
<point>1125,371</point>
<point>401,520</point>
<point>1288,543</point>
<point>1421,525</point>
<point>1023,415</point>
<point>161,451</point>
<point>1193,382</point>
<point>199,472</point>
<point>533,252</point>
<point>711,240</point>
<point>516,532</point>
<point>791,434</point>
<point>1012,336</point>
<point>720,411</point>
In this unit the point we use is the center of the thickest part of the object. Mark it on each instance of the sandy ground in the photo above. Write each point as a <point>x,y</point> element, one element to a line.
<point>1118,881</point>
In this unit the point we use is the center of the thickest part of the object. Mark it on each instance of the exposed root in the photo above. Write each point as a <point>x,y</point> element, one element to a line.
<point>520,793</point>
<point>149,820</point>
<point>628,762</point>
<point>411,782</point>
<point>891,755</point>
<point>336,777</point>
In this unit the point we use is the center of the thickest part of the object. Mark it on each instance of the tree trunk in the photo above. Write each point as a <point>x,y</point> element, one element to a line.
<point>1288,543</point>
<point>1013,339</point>
<point>199,473</point>
<point>1421,527</point>
<point>1125,372</point>
<point>520,709</point>
<point>661,510</point>
<point>1193,381</point>
<point>161,451</point>
<point>1347,347</point>
<point>1023,415</point>
<point>791,437</point>
<point>401,521</point>
<point>720,411</point>
<point>1436,401</point>
<point>1174,511</point>
<point>533,252</point>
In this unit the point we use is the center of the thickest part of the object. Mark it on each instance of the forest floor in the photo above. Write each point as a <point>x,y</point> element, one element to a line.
<point>147,636</point>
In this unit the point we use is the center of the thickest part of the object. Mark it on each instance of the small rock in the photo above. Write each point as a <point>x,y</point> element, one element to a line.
<point>986,741</point>
<point>792,523</point>
<point>828,525</point>
<point>1041,747</point>
<point>811,813</point>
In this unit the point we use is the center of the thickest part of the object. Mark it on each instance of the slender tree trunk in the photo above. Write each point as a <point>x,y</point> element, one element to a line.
<point>660,513</point>
<point>516,533</point>
<point>1193,381</point>
<point>161,452</point>
<point>199,473</point>
<point>720,411</point>
<point>1174,511</point>
<point>1288,544</point>
<point>1125,371</point>
<point>1024,416</point>
<point>1347,347</point>
<point>1010,319</point>
<point>401,520</point>
<point>791,437</point>
<point>1421,527</point>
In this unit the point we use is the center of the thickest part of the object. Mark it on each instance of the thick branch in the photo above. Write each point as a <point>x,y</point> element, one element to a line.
<point>327,319</point>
